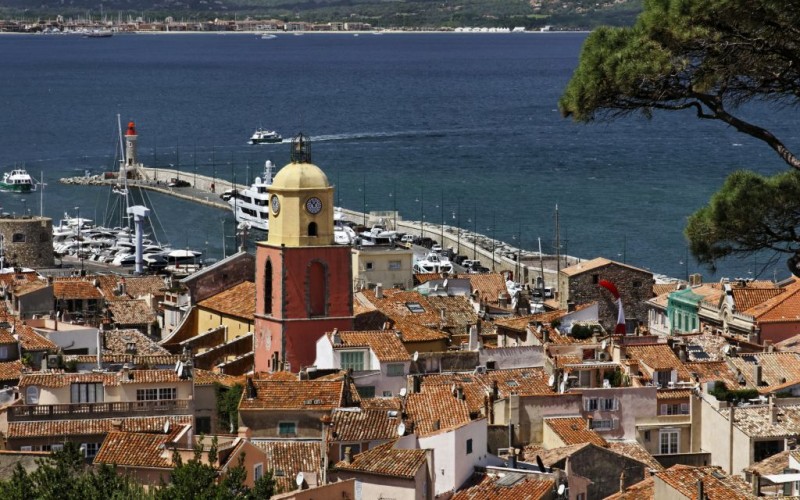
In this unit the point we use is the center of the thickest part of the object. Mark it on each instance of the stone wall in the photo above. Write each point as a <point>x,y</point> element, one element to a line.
<point>634,285</point>
<point>28,241</point>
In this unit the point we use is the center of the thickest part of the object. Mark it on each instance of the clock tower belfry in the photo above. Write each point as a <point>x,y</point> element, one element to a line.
<point>303,279</point>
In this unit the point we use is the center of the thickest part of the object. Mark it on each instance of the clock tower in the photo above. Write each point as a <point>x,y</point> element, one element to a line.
<point>303,279</point>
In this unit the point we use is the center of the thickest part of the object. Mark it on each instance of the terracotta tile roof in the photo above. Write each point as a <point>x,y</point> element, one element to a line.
<point>140,286</point>
<point>792,344</point>
<point>526,487</point>
<point>355,424</point>
<point>660,300</point>
<point>781,308</point>
<point>312,395</point>
<point>10,370</point>
<point>553,456</point>
<point>771,465</point>
<point>574,430</point>
<point>395,305</point>
<point>131,312</point>
<point>436,409</point>
<point>522,381</point>
<point>287,458</point>
<point>106,378</point>
<point>93,426</point>
<point>657,357</point>
<point>134,360</point>
<point>117,341</point>
<point>28,287</point>
<point>711,344</point>
<point>567,359</point>
<point>673,393</point>
<point>636,451</point>
<point>385,404</point>
<point>717,485</point>
<point>75,288</point>
<point>664,288</point>
<point>386,461</point>
<point>757,421</point>
<point>206,377</point>
<point>6,337</point>
<point>9,277</point>
<point>32,341</point>
<point>594,264</point>
<point>748,298</point>
<point>710,371</point>
<point>413,332</point>
<point>643,490</point>
<point>778,369</point>
<point>239,301</point>
<point>458,311</point>
<point>384,343</point>
<point>135,449</point>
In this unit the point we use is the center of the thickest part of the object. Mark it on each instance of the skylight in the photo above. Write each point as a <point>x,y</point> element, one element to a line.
<point>415,308</point>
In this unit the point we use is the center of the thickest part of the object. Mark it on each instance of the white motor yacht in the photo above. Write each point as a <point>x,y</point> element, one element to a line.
<point>262,136</point>
<point>251,204</point>
<point>433,263</point>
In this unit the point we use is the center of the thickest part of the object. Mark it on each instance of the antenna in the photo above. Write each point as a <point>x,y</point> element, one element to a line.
<point>299,479</point>
<point>401,429</point>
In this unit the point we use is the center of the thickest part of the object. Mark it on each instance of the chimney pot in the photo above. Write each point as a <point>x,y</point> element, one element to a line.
<point>379,291</point>
<point>348,455</point>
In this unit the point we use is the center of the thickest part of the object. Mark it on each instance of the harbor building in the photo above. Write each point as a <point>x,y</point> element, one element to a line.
<point>303,279</point>
<point>26,241</point>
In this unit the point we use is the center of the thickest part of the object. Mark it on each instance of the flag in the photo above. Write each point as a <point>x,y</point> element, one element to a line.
<point>620,328</point>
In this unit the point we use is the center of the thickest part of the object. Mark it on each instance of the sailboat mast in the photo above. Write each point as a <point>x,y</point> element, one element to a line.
<point>41,194</point>
<point>558,245</point>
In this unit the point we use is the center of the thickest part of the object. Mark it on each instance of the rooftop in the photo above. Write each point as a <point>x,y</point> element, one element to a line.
<point>314,395</point>
<point>385,460</point>
<point>120,342</point>
<point>757,421</point>
<point>574,430</point>
<point>131,312</point>
<point>384,343</point>
<point>287,458</point>
<point>717,485</point>
<point>779,370</point>
<point>595,264</point>
<point>643,490</point>
<point>436,409</point>
<point>511,486</point>
<point>357,424</point>
<point>239,301</point>
<point>75,288</point>
<point>135,449</point>
<point>94,426</point>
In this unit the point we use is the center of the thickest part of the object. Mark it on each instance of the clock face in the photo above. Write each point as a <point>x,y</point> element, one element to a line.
<point>276,205</point>
<point>314,205</point>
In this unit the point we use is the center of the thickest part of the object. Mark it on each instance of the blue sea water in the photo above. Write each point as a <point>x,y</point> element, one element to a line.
<point>467,123</point>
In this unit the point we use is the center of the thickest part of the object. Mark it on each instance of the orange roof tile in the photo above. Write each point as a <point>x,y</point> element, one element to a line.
<point>717,485</point>
<point>6,337</point>
<point>772,465</point>
<point>135,449</point>
<point>781,308</point>
<point>239,301</point>
<point>673,393</point>
<point>118,341</point>
<point>657,357</point>
<point>106,378</point>
<point>664,288</point>
<point>206,377</point>
<point>574,430</point>
<point>526,487</point>
<point>636,451</point>
<point>712,371</point>
<point>131,312</point>
<point>413,332</point>
<point>436,409</point>
<point>10,370</point>
<point>356,424</point>
<point>778,369</point>
<point>384,343</point>
<point>94,426</point>
<point>594,264</point>
<point>75,288</point>
<point>386,461</point>
<point>287,458</point>
<point>32,341</point>
<point>312,395</point>
<point>643,490</point>
<point>746,298</point>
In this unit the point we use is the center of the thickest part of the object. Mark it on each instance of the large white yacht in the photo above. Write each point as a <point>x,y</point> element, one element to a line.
<point>433,263</point>
<point>251,204</point>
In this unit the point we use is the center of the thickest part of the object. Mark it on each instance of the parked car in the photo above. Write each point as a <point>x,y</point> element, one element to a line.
<point>459,259</point>
<point>178,183</point>
<point>408,238</point>
<point>436,248</point>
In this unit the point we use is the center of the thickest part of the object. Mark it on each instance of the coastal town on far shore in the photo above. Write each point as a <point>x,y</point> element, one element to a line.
<point>413,361</point>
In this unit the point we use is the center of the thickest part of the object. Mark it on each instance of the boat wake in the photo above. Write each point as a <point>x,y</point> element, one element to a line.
<point>377,136</point>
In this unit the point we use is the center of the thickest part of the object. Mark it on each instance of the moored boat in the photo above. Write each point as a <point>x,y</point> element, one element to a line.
<point>251,204</point>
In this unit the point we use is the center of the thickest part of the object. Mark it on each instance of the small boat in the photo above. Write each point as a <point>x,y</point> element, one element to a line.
<point>262,136</point>
<point>99,34</point>
<point>268,36</point>
<point>18,180</point>
<point>433,263</point>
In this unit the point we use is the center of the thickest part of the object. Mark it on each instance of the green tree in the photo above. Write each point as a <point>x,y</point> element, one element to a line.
<point>228,405</point>
<point>709,56</point>
<point>193,479</point>
<point>750,213</point>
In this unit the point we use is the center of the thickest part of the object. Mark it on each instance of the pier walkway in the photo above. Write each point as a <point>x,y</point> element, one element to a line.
<point>495,255</point>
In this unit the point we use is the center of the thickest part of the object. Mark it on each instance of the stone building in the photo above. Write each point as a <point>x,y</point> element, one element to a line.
<point>579,284</point>
<point>27,241</point>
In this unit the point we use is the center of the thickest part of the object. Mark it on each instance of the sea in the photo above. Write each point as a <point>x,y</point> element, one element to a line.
<point>456,128</point>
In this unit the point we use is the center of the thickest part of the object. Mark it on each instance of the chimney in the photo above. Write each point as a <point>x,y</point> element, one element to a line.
<point>768,346</point>
<point>437,424</point>
<point>773,409</point>
<point>116,425</point>
<point>379,291</point>
<point>348,455</point>
<point>756,484</point>
<point>757,375</point>
<point>460,393</point>
<point>512,458</point>
<point>545,335</point>
<point>473,337</point>
<point>700,493</point>
<point>251,389</point>
<point>495,389</point>
<point>417,383</point>
<point>622,482</point>
<point>336,338</point>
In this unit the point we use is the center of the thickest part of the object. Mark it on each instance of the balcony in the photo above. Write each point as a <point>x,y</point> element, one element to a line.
<point>664,420</point>
<point>19,413</point>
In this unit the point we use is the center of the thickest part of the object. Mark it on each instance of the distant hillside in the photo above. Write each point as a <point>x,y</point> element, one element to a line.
<point>570,14</point>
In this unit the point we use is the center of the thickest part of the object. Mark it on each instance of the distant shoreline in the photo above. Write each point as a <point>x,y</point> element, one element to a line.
<point>301,33</point>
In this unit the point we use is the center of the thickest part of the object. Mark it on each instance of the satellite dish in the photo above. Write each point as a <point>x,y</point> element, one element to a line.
<point>403,392</point>
<point>177,365</point>
<point>551,380</point>
<point>180,371</point>
<point>726,349</point>
<point>401,429</point>
<point>603,345</point>
<point>563,387</point>
<point>561,489</point>
<point>415,357</point>
<point>166,427</point>
<point>299,479</point>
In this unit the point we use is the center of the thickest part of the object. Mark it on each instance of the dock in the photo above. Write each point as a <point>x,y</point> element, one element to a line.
<point>494,254</point>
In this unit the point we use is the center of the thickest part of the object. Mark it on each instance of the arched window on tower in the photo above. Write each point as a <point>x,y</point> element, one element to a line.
<point>317,289</point>
<point>268,287</point>
<point>312,228</point>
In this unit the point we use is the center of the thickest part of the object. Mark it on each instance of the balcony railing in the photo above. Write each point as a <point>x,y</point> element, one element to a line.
<point>100,410</point>
<point>658,420</point>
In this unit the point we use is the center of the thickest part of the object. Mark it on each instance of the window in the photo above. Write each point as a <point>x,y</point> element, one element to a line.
<point>387,394</point>
<point>647,436</point>
<point>86,393</point>
<point>395,370</point>
<point>590,404</point>
<point>603,425</point>
<point>268,287</point>
<point>146,394</point>
<point>637,284</point>
<point>369,266</point>
<point>668,441</point>
<point>367,391</point>
<point>287,428</point>
<point>32,395</point>
<point>595,278</point>
<point>168,393</point>
<point>18,238</point>
<point>469,446</point>
<point>90,449</point>
<point>395,265</point>
<point>312,228</point>
<point>258,471</point>
<point>675,409</point>
<point>57,447</point>
<point>352,360</point>
<point>203,425</point>
<point>415,308</point>
<point>663,378</point>
<point>26,448</point>
<point>608,404</point>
